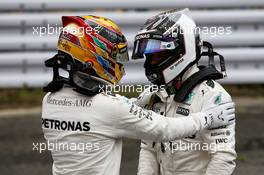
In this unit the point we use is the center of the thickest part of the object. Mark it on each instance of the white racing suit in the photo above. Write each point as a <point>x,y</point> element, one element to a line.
<point>84,134</point>
<point>216,154</point>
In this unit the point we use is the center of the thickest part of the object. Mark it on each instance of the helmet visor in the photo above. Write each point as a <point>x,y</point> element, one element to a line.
<point>147,46</point>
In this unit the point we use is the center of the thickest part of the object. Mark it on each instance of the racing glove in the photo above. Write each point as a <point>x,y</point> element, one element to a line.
<point>217,116</point>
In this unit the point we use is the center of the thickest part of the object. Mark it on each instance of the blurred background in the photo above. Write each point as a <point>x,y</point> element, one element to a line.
<point>28,36</point>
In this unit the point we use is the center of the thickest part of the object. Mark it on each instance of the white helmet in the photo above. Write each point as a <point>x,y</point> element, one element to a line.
<point>170,45</point>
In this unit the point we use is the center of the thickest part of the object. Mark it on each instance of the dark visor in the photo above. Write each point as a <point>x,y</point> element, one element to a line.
<point>147,46</point>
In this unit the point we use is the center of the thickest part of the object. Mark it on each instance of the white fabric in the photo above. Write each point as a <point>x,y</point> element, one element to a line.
<point>220,159</point>
<point>101,121</point>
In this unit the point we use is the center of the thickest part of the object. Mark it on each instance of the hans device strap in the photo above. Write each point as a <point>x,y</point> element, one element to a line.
<point>205,73</point>
<point>211,54</point>
<point>58,81</point>
<point>80,81</point>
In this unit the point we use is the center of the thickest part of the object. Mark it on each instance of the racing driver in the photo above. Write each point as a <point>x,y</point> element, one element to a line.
<point>172,49</point>
<point>87,125</point>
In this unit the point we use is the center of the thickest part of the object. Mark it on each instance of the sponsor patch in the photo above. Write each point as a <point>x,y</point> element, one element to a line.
<point>221,127</point>
<point>174,66</point>
<point>82,102</point>
<point>218,100</point>
<point>183,111</point>
<point>65,125</point>
<point>221,140</point>
<point>142,36</point>
<point>217,134</point>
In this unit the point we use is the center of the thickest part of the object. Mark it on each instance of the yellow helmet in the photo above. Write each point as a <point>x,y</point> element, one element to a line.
<point>96,41</point>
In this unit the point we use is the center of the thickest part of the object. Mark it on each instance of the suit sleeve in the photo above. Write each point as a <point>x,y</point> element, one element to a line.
<point>222,143</point>
<point>148,163</point>
<point>132,121</point>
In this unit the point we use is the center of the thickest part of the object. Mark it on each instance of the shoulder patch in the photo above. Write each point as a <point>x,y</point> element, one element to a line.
<point>218,99</point>
<point>210,83</point>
